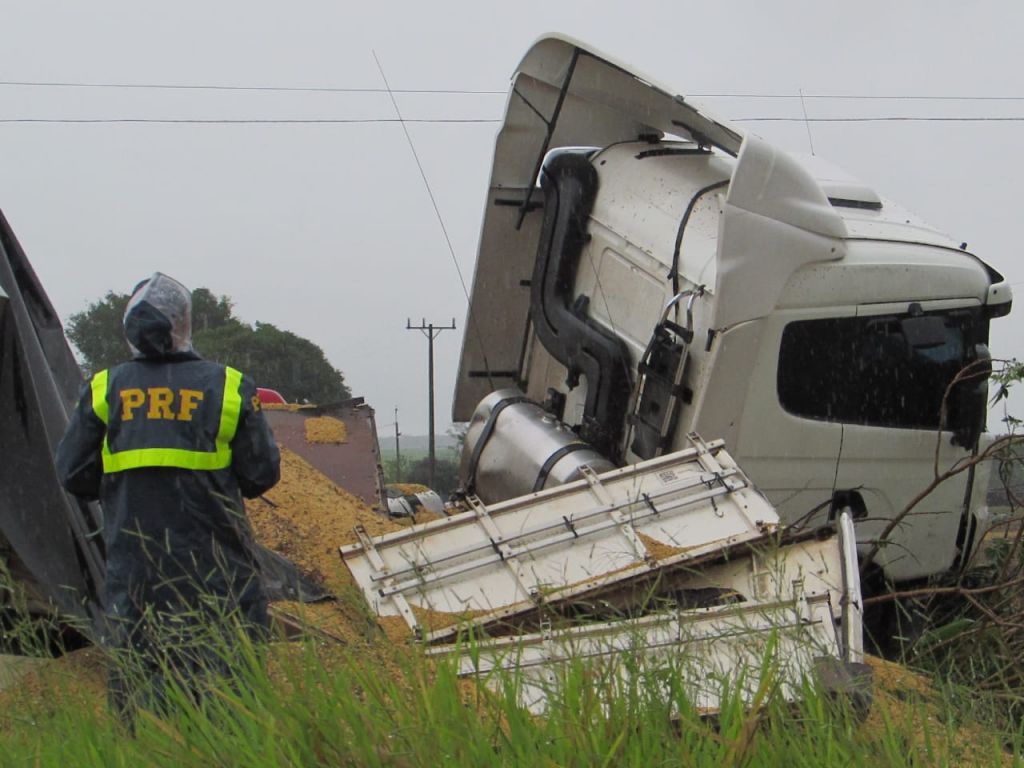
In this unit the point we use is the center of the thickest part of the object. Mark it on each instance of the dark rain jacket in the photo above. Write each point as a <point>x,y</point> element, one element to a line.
<point>173,535</point>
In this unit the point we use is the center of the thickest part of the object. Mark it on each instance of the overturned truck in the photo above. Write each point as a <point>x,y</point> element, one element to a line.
<point>646,273</point>
<point>628,305</point>
<point>646,270</point>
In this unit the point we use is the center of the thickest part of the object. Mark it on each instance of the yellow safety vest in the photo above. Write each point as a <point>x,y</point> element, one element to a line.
<point>136,458</point>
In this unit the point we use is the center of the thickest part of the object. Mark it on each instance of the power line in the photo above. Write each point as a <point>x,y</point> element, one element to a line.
<point>482,91</point>
<point>451,250</point>
<point>423,176</point>
<point>807,123</point>
<point>243,121</point>
<point>272,88</point>
<point>854,97</point>
<point>877,119</point>
<point>443,120</point>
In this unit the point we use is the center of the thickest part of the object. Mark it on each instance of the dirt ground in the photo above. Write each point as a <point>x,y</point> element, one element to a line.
<point>906,700</point>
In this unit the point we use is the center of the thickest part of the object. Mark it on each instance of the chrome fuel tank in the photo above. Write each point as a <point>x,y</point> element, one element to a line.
<point>514,447</point>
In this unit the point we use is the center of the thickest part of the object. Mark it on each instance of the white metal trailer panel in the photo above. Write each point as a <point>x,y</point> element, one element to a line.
<point>782,631</point>
<point>711,650</point>
<point>813,567</point>
<point>817,568</point>
<point>563,543</point>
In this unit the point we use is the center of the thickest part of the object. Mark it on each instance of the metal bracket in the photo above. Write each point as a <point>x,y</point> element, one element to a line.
<point>383,574</point>
<point>621,519</point>
<point>507,552</point>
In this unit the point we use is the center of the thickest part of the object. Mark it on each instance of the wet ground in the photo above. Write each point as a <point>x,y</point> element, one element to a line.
<point>12,668</point>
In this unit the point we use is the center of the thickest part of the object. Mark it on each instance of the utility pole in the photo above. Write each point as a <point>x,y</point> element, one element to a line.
<point>398,455</point>
<point>431,331</point>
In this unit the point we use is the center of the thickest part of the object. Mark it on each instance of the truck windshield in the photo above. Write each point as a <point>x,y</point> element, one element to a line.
<point>884,370</point>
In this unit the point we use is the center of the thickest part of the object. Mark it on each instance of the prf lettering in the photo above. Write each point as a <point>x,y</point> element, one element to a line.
<point>160,403</point>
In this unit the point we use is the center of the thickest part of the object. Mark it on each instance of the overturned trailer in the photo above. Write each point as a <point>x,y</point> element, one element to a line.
<point>48,538</point>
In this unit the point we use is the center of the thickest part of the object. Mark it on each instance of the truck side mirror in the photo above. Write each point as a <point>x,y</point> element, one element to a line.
<point>969,400</point>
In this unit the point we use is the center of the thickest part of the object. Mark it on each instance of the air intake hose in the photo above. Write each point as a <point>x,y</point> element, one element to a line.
<point>560,321</point>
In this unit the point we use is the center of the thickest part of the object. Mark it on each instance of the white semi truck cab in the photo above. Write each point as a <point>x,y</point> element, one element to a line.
<point>646,271</point>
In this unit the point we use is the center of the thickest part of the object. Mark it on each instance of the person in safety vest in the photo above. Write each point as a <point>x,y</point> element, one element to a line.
<point>170,443</point>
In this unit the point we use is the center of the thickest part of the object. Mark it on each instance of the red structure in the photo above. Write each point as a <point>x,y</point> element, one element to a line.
<point>269,395</point>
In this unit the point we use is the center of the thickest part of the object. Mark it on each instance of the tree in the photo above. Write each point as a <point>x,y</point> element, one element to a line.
<point>97,332</point>
<point>209,311</point>
<point>281,360</point>
<point>294,366</point>
<point>458,432</point>
<point>446,475</point>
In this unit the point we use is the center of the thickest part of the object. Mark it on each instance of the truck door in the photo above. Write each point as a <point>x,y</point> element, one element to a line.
<point>899,360</point>
<point>789,451</point>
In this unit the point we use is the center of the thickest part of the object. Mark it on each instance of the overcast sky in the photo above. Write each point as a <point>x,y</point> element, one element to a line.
<point>327,230</point>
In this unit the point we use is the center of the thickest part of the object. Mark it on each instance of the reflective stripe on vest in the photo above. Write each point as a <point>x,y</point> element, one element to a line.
<point>99,396</point>
<point>136,458</point>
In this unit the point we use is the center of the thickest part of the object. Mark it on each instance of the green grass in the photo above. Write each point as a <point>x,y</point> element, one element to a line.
<point>373,704</point>
<point>409,457</point>
<point>304,704</point>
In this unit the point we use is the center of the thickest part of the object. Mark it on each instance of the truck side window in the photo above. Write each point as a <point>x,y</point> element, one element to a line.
<point>887,370</point>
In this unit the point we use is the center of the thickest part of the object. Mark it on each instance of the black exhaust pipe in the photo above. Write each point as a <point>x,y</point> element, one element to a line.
<point>561,322</point>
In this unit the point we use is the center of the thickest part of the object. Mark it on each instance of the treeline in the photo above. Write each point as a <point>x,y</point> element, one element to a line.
<point>281,360</point>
